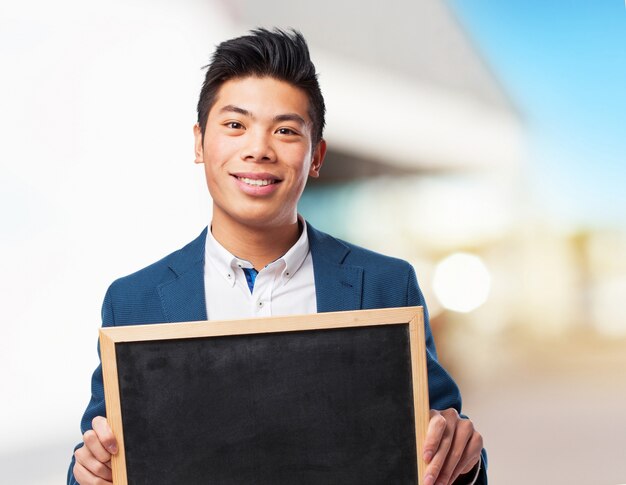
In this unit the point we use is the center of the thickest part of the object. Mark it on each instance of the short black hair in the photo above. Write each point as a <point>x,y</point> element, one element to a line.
<point>277,54</point>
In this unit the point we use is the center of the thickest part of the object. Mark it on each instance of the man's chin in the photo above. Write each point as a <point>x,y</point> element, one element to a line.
<point>253,218</point>
<point>266,223</point>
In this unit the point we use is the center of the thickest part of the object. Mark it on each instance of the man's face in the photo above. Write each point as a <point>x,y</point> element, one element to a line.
<point>258,152</point>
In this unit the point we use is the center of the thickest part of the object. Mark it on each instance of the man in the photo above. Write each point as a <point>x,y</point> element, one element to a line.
<point>259,136</point>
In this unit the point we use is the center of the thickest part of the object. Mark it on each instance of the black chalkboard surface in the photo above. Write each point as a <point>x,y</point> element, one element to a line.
<point>319,399</point>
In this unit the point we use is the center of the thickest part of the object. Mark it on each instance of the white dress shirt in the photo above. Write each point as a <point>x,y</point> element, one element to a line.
<point>284,287</point>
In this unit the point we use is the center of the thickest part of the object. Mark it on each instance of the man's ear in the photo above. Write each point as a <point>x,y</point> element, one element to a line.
<point>318,159</point>
<point>199,150</point>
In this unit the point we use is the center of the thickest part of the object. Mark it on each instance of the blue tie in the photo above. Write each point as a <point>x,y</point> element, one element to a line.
<point>250,277</point>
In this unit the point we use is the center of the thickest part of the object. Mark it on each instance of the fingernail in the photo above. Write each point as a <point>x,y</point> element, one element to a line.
<point>428,456</point>
<point>429,480</point>
<point>112,449</point>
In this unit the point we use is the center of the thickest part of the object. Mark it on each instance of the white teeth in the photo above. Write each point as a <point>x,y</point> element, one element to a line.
<point>256,182</point>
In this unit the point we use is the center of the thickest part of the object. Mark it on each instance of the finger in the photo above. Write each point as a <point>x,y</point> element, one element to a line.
<point>94,446</point>
<point>436,465</point>
<point>95,467</point>
<point>85,477</point>
<point>436,429</point>
<point>470,457</point>
<point>105,435</point>
<point>463,431</point>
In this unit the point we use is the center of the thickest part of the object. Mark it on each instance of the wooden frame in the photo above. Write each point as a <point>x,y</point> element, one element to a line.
<point>411,316</point>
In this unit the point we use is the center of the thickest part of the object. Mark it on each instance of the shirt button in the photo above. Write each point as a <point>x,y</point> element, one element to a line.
<point>260,304</point>
<point>229,276</point>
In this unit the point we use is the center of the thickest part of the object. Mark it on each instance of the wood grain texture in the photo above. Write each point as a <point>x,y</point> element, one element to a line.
<point>138,333</point>
<point>113,407</point>
<point>420,387</point>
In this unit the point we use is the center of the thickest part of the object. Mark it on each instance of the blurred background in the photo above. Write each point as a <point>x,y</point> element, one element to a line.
<point>481,141</point>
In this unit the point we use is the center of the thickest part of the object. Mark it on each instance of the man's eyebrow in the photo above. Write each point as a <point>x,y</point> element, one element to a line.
<point>290,117</point>
<point>295,117</point>
<point>231,108</point>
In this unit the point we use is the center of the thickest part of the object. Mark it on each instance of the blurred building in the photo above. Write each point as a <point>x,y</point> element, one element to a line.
<point>427,158</point>
<point>425,147</point>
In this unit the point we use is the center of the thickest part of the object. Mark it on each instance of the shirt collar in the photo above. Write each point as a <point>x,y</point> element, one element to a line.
<point>296,255</point>
<point>227,264</point>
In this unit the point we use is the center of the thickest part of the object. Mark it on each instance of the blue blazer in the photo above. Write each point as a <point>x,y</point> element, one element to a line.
<point>347,277</point>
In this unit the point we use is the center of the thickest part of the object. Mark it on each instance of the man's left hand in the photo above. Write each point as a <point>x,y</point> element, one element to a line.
<point>452,447</point>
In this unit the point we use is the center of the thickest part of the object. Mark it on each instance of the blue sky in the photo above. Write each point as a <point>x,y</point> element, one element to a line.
<point>564,65</point>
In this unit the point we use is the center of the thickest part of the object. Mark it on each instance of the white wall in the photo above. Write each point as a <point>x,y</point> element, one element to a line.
<point>97,103</point>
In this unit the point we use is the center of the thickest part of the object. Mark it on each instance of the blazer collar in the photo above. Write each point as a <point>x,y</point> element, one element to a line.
<point>338,286</point>
<point>182,297</point>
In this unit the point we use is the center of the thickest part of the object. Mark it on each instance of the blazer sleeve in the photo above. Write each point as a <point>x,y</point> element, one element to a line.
<point>96,406</point>
<point>442,390</point>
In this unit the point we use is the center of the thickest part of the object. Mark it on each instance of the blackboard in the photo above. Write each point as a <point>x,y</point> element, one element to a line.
<point>332,398</point>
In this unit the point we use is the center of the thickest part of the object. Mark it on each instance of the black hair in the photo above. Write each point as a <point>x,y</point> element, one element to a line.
<point>277,54</point>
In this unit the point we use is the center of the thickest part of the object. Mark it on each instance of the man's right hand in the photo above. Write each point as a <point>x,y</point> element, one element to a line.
<point>93,459</point>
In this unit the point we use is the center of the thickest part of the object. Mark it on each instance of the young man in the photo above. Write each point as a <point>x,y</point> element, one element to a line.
<point>259,136</point>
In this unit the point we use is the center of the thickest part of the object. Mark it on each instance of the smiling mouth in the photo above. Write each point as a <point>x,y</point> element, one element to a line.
<point>257,182</point>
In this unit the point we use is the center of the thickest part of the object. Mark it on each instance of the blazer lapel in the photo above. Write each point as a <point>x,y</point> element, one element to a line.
<point>182,297</point>
<point>338,286</point>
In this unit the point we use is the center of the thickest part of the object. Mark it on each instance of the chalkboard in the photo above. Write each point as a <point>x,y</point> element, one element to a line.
<point>330,398</point>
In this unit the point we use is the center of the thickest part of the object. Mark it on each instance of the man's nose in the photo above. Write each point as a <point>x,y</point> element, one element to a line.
<point>258,148</point>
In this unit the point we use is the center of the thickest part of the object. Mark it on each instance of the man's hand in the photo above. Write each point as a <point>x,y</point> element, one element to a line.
<point>93,459</point>
<point>452,447</point>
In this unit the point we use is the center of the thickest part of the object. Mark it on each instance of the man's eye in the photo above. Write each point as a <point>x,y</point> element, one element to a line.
<point>235,125</point>
<point>286,131</point>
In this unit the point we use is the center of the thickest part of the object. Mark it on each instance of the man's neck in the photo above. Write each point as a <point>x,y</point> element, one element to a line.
<point>260,246</point>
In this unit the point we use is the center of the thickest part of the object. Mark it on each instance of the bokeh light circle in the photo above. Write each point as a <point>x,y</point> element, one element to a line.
<point>461,282</point>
